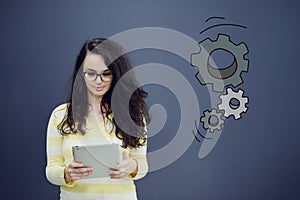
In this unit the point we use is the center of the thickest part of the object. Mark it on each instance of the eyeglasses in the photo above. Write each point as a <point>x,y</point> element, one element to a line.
<point>104,76</point>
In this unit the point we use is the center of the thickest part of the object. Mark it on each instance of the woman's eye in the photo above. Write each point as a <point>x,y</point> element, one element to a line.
<point>91,73</point>
<point>107,73</point>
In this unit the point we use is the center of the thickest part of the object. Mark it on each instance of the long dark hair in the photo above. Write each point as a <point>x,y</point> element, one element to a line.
<point>77,109</point>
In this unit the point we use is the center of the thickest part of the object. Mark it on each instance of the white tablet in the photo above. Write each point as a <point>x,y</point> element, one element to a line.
<point>102,158</point>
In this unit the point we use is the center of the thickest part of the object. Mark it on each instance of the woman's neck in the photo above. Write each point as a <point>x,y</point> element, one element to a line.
<point>95,103</point>
<point>94,113</point>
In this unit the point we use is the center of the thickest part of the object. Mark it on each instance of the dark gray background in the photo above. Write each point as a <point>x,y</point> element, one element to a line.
<point>256,157</point>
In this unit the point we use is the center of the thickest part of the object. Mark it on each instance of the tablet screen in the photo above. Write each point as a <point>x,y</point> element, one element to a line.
<point>102,158</point>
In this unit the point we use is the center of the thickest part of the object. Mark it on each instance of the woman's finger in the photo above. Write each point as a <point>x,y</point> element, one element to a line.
<point>84,174</point>
<point>75,177</point>
<point>114,174</point>
<point>82,169</point>
<point>117,174</point>
<point>75,172</point>
<point>79,175</point>
<point>75,164</point>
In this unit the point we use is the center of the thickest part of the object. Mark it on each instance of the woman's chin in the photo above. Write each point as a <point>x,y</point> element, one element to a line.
<point>99,94</point>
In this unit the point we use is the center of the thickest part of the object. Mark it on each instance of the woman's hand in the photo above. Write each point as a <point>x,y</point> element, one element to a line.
<point>126,167</point>
<point>76,170</point>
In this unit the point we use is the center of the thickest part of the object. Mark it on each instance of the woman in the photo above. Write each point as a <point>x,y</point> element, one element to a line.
<point>88,119</point>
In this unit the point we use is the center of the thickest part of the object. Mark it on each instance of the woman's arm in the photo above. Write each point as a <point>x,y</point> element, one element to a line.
<point>55,169</point>
<point>139,155</point>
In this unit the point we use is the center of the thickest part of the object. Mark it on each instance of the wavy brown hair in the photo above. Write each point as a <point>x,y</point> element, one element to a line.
<point>77,109</point>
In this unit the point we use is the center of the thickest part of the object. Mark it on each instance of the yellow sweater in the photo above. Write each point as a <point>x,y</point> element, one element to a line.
<point>59,155</point>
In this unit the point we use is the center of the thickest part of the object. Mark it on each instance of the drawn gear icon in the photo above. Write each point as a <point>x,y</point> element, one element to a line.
<point>220,78</point>
<point>229,108</point>
<point>206,120</point>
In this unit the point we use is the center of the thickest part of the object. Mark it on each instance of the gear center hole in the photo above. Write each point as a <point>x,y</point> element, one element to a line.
<point>221,59</point>
<point>234,103</point>
<point>213,120</point>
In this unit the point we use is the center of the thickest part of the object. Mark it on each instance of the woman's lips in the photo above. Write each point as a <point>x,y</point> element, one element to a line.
<point>99,88</point>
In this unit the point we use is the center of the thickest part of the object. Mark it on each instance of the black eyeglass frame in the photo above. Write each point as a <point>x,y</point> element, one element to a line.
<point>99,75</point>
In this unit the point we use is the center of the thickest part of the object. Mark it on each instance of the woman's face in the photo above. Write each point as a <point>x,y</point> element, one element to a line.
<point>97,75</point>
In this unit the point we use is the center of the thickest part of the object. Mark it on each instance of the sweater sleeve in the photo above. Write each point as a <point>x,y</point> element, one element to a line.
<point>139,154</point>
<point>55,160</point>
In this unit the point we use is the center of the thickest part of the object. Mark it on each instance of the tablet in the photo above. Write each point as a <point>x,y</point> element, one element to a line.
<point>102,158</point>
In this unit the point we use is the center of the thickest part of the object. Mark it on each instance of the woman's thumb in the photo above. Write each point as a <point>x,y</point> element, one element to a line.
<point>124,155</point>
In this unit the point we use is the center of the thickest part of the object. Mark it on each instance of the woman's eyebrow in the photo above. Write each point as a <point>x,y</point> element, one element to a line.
<point>91,69</point>
<point>96,71</point>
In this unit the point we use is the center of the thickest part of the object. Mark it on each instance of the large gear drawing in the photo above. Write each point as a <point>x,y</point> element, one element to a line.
<point>206,120</point>
<point>220,78</point>
<point>230,109</point>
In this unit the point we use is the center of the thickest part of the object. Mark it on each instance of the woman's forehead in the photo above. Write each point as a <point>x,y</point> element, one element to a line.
<point>94,62</point>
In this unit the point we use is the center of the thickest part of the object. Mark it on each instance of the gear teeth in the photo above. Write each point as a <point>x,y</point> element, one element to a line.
<point>218,87</point>
<point>194,59</point>
<point>229,91</point>
<point>226,115</point>
<point>244,66</point>
<point>222,97</point>
<point>204,43</point>
<point>221,107</point>
<point>243,49</point>
<point>237,82</point>
<point>244,100</point>
<point>200,78</point>
<point>237,116</point>
<point>223,38</point>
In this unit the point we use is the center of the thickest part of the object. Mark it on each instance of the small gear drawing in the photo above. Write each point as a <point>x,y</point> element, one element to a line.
<point>229,108</point>
<point>206,120</point>
<point>220,78</point>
